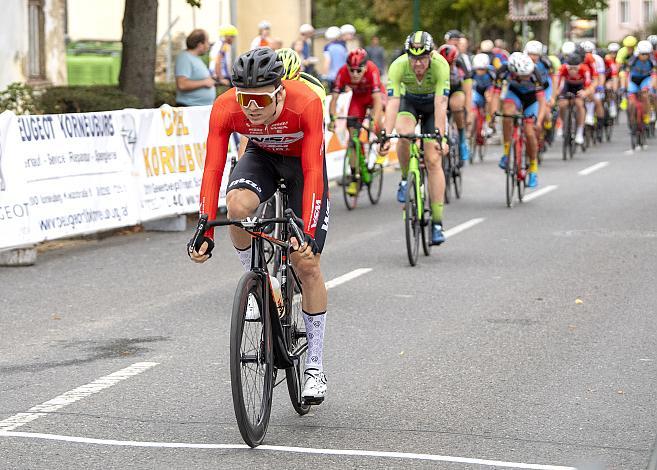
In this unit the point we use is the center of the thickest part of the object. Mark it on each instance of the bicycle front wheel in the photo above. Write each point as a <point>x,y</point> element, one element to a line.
<point>456,176</point>
<point>411,221</point>
<point>375,185</point>
<point>251,359</point>
<point>510,177</point>
<point>425,222</point>
<point>297,343</point>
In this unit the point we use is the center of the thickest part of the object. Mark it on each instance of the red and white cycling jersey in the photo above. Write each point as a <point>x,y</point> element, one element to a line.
<point>580,76</point>
<point>298,132</point>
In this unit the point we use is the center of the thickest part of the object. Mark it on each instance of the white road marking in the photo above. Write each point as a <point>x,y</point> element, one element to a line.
<point>73,395</point>
<point>464,226</point>
<point>301,450</point>
<point>539,193</point>
<point>347,277</point>
<point>591,169</point>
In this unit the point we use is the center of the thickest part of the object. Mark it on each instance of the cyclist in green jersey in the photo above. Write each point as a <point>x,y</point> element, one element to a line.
<point>418,90</point>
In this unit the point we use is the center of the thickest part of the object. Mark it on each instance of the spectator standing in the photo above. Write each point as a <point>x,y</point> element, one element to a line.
<point>263,38</point>
<point>348,37</point>
<point>376,54</point>
<point>194,85</point>
<point>335,54</point>
<point>221,55</point>
<point>306,33</point>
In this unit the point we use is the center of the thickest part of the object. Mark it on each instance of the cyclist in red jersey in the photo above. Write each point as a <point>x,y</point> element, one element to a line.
<point>283,122</point>
<point>575,77</point>
<point>362,77</point>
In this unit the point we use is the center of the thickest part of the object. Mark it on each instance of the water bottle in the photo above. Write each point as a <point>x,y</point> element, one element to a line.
<point>278,297</point>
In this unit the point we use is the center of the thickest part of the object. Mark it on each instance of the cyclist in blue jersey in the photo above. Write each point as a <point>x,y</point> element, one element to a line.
<point>641,72</point>
<point>524,94</point>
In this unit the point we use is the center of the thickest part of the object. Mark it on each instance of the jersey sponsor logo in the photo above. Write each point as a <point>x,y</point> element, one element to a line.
<point>315,217</point>
<point>278,125</point>
<point>326,217</point>
<point>277,140</point>
<point>245,181</point>
<point>391,92</point>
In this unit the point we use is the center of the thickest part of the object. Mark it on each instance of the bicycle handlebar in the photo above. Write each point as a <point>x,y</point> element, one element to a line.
<point>250,223</point>
<point>432,135</point>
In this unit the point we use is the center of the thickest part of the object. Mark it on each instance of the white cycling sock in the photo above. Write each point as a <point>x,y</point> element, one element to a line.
<point>315,325</point>
<point>245,257</point>
<point>589,109</point>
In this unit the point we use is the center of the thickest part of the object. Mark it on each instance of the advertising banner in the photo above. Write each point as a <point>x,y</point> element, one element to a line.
<point>64,175</point>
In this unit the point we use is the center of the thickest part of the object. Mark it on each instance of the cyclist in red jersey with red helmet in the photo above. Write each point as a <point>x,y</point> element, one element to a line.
<point>575,77</point>
<point>362,77</point>
<point>283,122</point>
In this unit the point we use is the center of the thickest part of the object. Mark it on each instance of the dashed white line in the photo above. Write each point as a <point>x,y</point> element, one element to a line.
<point>464,226</point>
<point>302,450</point>
<point>73,395</point>
<point>591,169</point>
<point>539,193</point>
<point>347,277</point>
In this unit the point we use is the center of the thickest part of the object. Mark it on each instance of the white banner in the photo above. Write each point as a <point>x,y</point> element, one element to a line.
<point>64,175</point>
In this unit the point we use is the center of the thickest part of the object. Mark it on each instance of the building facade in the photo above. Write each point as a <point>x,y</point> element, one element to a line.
<point>32,33</point>
<point>624,17</point>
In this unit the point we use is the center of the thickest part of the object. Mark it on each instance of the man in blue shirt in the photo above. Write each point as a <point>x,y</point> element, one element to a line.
<point>194,85</point>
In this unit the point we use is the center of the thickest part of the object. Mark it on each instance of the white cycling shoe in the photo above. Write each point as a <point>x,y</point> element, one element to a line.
<point>314,390</point>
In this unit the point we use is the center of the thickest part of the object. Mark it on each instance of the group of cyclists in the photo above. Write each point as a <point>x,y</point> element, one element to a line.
<point>280,111</point>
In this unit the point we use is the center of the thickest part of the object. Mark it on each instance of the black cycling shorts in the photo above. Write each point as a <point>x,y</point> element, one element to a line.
<point>259,171</point>
<point>571,88</point>
<point>421,107</point>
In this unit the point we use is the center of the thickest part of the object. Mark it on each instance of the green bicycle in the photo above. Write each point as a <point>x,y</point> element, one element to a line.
<point>417,208</point>
<point>360,167</point>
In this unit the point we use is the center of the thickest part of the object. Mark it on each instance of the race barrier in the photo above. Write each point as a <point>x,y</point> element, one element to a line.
<point>74,174</point>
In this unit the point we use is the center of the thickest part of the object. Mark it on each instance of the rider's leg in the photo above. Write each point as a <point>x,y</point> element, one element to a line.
<point>457,107</point>
<point>405,125</point>
<point>579,134</point>
<point>509,106</point>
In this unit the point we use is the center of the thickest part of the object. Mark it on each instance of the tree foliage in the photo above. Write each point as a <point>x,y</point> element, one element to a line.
<point>392,20</point>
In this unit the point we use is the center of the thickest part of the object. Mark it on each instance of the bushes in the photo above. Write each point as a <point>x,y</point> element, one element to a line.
<point>19,98</point>
<point>22,99</point>
<point>83,99</point>
<point>165,93</point>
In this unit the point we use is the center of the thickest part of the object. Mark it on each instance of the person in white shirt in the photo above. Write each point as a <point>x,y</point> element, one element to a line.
<point>263,38</point>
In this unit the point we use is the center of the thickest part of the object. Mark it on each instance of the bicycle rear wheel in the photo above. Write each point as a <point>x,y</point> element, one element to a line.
<point>350,200</point>
<point>297,343</point>
<point>411,222</point>
<point>251,360</point>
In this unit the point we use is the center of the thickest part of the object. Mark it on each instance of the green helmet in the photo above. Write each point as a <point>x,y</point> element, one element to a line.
<point>418,43</point>
<point>291,63</point>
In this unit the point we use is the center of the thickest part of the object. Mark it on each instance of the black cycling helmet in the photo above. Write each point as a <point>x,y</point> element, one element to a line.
<point>256,68</point>
<point>573,59</point>
<point>453,34</point>
<point>418,44</point>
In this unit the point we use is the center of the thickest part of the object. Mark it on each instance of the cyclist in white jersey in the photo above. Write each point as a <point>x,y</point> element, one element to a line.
<point>599,95</point>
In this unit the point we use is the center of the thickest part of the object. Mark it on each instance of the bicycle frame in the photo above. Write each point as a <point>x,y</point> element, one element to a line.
<point>255,227</point>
